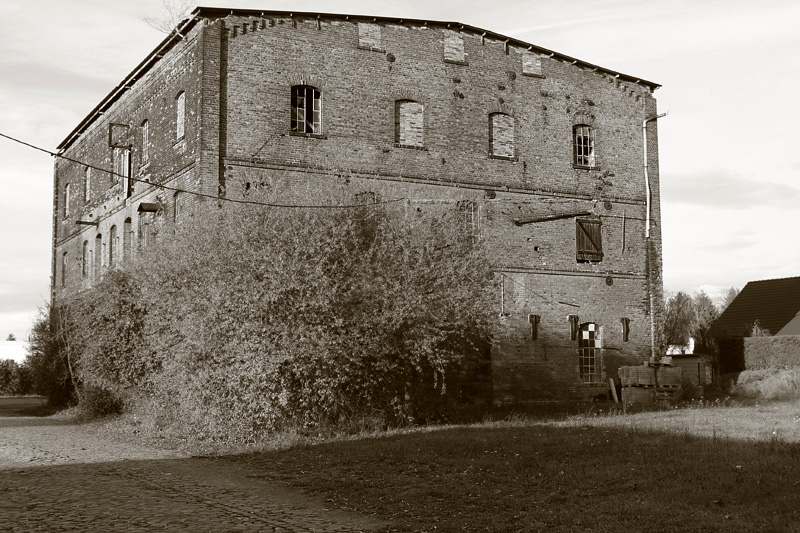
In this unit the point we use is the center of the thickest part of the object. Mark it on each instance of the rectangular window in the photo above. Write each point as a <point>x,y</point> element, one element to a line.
<point>583,146</point>
<point>588,240</point>
<point>588,358</point>
<point>306,110</point>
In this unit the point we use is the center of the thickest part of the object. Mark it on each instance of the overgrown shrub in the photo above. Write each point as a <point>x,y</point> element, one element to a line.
<point>51,351</point>
<point>250,319</point>
<point>769,384</point>
<point>97,402</point>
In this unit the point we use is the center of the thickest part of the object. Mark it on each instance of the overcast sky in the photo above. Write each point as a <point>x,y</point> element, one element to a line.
<point>729,156</point>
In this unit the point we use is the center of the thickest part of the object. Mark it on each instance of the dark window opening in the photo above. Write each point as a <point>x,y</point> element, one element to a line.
<point>306,110</point>
<point>583,146</point>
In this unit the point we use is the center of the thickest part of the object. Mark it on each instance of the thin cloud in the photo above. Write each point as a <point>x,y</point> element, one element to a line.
<point>42,77</point>
<point>726,190</point>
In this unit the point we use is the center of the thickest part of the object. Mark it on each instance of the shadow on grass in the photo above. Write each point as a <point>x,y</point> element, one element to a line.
<point>546,478</point>
<point>164,495</point>
<point>18,406</point>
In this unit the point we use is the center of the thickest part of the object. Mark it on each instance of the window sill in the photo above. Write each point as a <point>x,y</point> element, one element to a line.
<point>502,157</point>
<point>533,75</point>
<point>308,135</point>
<point>371,48</point>
<point>584,167</point>
<point>410,146</point>
<point>457,62</point>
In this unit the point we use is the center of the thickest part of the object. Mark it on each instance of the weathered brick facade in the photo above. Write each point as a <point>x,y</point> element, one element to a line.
<point>491,128</point>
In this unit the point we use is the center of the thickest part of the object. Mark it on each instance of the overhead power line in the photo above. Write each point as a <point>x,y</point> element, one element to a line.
<point>195,193</point>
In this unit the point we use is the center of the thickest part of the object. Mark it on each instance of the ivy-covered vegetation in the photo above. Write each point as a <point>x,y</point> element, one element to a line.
<point>248,319</point>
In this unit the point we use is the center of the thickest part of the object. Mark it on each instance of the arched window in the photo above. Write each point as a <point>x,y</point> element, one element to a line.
<point>85,260</point>
<point>409,124</point>
<point>588,350</point>
<point>501,135</point>
<point>87,184</point>
<point>98,257</point>
<point>64,270</point>
<point>113,241</point>
<point>66,200</point>
<point>583,146</point>
<point>127,238</point>
<point>180,114</point>
<point>177,211</point>
<point>306,110</point>
<point>145,142</point>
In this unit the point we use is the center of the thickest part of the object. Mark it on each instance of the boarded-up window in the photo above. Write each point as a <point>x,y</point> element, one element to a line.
<point>98,257</point>
<point>145,142</point>
<point>583,146</point>
<point>588,358</point>
<point>66,200</point>
<point>409,121</point>
<point>501,135</point>
<point>180,115</point>
<point>85,260</point>
<point>127,239</point>
<point>454,48</point>
<point>87,184</point>
<point>122,169</point>
<point>369,36</point>
<point>588,240</point>
<point>531,64</point>
<point>306,110</point>
<point>113,243</point>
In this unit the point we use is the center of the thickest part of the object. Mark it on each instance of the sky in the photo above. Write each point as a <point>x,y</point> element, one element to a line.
<point>729,153</point>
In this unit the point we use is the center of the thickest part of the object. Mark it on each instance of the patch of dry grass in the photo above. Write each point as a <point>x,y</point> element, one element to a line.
<point>709,469</point>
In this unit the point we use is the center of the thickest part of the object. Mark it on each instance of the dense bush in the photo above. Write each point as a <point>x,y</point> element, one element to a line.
<point>15,379</point>
<point>250,319</point>
<point>51,351</point>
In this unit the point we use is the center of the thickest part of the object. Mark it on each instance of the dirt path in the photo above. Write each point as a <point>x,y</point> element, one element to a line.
<point>56,475</point>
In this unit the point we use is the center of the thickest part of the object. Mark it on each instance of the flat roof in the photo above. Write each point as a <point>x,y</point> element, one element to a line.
<point>216,12</point>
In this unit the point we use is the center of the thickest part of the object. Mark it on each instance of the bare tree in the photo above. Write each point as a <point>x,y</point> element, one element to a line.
<point>11,337</point>
<point>174,12</point>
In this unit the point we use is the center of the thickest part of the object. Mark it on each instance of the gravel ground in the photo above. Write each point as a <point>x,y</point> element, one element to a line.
<point>57,475</point>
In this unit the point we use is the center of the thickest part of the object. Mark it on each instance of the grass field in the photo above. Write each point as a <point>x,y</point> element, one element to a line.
<point>697,469</point>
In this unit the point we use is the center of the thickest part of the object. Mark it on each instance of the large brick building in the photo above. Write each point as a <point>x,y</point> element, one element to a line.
<point>554,160</point>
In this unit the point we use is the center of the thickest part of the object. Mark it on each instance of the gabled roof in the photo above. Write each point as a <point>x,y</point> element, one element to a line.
<point>201,13</point>
<point>773,302</point>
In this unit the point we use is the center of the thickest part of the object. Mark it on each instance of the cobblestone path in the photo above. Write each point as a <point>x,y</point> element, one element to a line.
<point>56,475</point>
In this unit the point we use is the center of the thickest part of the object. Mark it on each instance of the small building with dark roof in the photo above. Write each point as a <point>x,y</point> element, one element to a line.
<point>773,305</point>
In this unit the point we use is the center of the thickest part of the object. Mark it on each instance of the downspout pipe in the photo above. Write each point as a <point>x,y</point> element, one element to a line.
<point>646,176</point>
<point>647,239</point>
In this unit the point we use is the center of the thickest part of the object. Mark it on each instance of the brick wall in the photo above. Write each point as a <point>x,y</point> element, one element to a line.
<point>523,199</point>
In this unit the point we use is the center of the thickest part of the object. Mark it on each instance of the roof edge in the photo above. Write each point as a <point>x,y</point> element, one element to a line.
<point>216,12</point>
